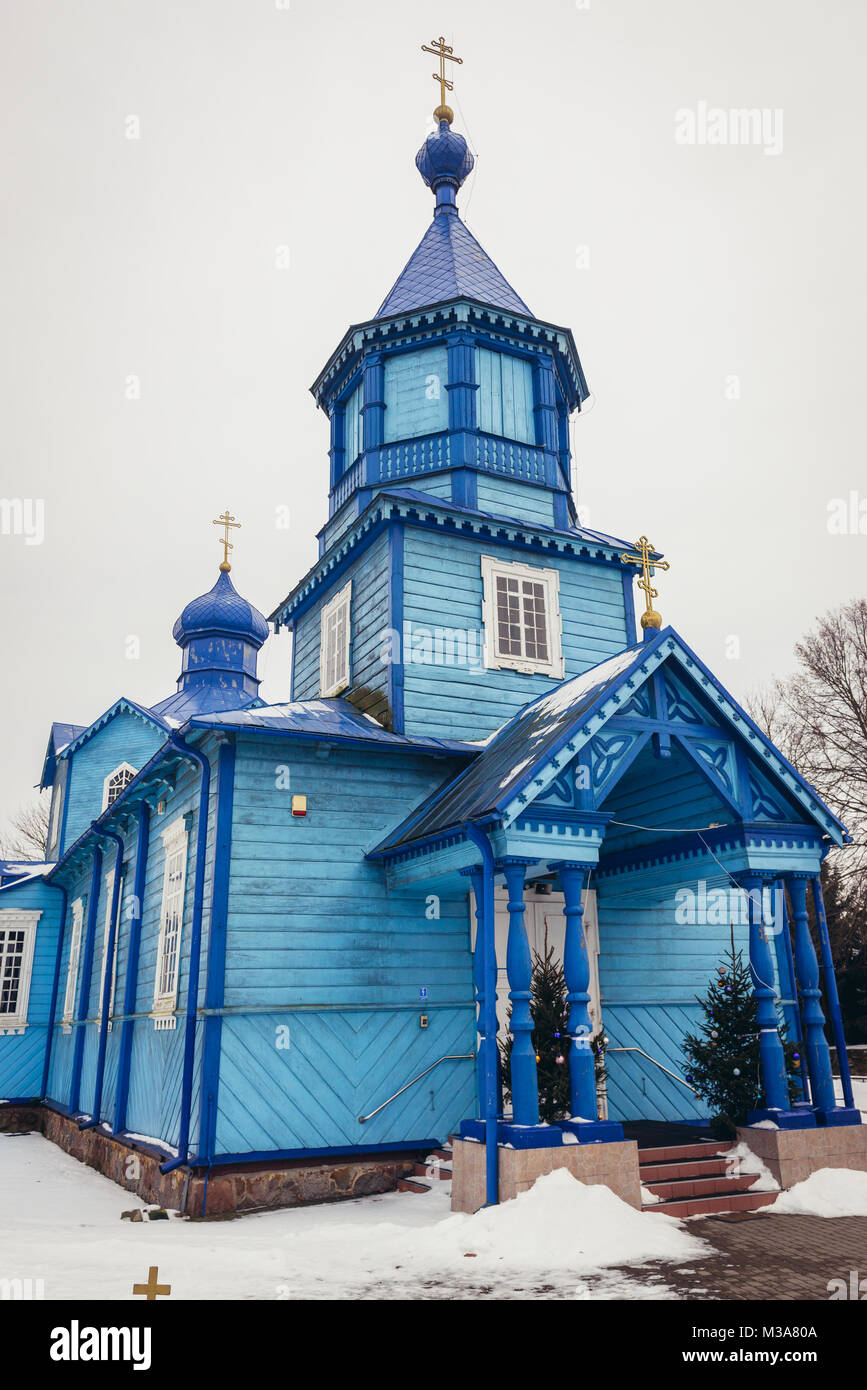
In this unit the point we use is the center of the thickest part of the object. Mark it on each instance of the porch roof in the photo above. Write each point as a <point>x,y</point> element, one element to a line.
<point>495,786</point>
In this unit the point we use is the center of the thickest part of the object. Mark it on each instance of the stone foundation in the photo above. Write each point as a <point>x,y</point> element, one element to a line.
<point>21,1119</point>
<point>614,1165</point>
<point>230,1190</point>
<point>793,1154</point>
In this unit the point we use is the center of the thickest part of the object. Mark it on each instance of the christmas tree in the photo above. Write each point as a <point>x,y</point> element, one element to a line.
<point>723,1056</point>
<point>550,1038</point>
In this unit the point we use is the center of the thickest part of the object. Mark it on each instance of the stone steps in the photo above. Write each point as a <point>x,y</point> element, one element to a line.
<point>693,1180</point>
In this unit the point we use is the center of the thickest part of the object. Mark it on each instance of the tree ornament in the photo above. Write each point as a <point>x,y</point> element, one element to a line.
<point>560,1060</point>
<point>736,1072</point>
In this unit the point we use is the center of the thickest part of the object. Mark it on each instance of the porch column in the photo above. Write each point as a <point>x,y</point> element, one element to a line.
<point>576,968</point>
<point>476,877</point>
<point>807,969</point>
<point>773,1063</point>
<point>848,1113</point>
<point>519,967</point>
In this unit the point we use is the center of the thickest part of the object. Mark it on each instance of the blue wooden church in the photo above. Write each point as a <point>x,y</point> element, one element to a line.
<point>274,933</point>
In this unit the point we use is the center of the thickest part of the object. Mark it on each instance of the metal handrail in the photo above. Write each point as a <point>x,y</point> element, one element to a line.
<point>458,1057</point>
<point>642,1053</point>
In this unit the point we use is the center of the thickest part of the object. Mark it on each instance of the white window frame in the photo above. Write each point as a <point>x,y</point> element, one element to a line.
<point>58,795</point>
<point>14,919</point>
<point>340,675</point>
<point>121,767</point>
<point>109,893</point>
<point>174,838</point>
<point>72,963</point>
<point>550,579</point>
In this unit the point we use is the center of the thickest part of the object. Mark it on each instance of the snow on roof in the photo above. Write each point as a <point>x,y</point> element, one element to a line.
<point>516,748</point>
<point>331,718</point>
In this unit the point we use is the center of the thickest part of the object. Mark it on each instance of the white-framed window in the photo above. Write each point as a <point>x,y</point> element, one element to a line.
<point>72,965</point>
<point>109,894</point>
<point>116,782</point>
<point>57,798</point>
<point>521,614</point>
<point>171,923</point>
<point>17,939</point>
<point>334,635</point>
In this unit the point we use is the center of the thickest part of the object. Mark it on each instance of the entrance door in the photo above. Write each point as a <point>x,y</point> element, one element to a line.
<point>544,920</point>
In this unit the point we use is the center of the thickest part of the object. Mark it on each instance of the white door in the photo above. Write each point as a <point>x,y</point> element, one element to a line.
<point>543,919</point>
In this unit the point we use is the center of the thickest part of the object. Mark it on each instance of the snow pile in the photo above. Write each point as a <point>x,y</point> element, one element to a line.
<point>741,1160</point>
<point>61,1221</point>
<point>827,1192</point>
<point>560,1223</point>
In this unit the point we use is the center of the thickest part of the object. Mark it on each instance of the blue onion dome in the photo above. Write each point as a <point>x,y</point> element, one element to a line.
<point>222,610</point>
<point>444,162</point>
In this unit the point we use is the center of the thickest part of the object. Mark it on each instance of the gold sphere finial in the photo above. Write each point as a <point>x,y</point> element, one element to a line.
<point>225,566</point>
<point>650,618</point>
<point>444,113</point>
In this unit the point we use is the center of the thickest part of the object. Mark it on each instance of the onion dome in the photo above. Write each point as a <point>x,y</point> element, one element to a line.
<point>444,162</point>
<point>221,611</point>
<point>220,634</point>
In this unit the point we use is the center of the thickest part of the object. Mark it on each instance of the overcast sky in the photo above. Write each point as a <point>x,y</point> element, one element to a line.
<point>716,293</point>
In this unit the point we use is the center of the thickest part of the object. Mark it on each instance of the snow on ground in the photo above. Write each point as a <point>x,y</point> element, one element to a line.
<point>741,1160</point>
<point>60,1222</point>
<point>859,1093</point>
<point>827,1192</point>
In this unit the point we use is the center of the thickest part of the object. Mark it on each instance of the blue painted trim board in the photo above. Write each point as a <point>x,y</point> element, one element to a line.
<point>85,968</point>
<point>395,623</point>
<point>55,987</point>
<point>131,983</point>
<point>215,981</point>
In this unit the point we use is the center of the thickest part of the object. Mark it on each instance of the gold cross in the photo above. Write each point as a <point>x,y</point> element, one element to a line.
<point>441,50</point>
<point>227,521</point>
<point>152,1288</point>
<point>650,617</point>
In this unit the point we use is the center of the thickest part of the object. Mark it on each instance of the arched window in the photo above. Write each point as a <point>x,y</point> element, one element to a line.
<point>115,783</point>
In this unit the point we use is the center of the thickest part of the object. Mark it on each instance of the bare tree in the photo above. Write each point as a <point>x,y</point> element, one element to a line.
<point>818,717</point>
<point>27,839</point>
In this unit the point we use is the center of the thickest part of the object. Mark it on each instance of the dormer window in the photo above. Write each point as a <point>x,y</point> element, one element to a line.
<point>116,782</point>
<point>522,618</point>
<point>334,639</point>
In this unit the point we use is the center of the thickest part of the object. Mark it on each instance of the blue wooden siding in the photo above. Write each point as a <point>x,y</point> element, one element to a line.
<point>316,944</point>
<point>505,395</point>
<point>443,590</point>
<point>22,1054</point>
<point>507,498</point>
<point>157,1056</point>
<point>416,400</point>
<point>688,800</point>
<point>125,738</point>
<point>352,428</point>
<point>369,623</point>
